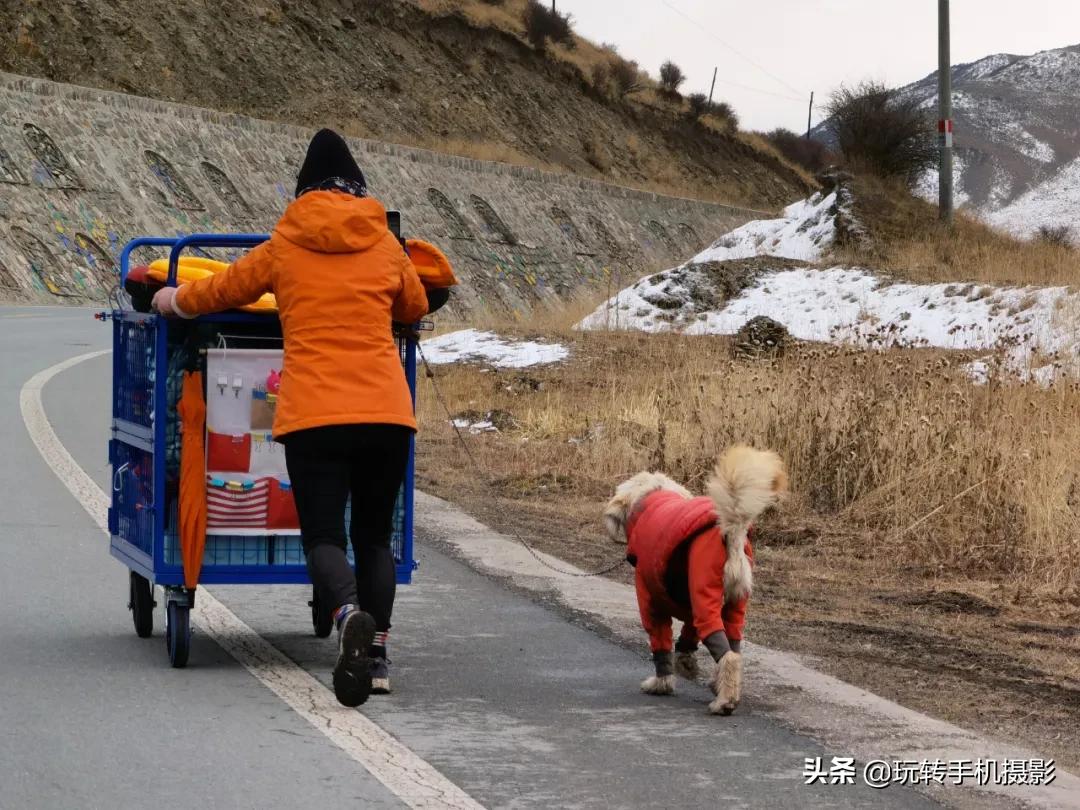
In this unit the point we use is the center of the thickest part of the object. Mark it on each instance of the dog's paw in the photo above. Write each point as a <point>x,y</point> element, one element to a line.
<point>726,684</point>
<point>686,666</point>
<point>659,685</point>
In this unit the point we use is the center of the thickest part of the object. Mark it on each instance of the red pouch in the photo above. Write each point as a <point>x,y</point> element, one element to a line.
<point>281,514</point>
<point>225,453</point>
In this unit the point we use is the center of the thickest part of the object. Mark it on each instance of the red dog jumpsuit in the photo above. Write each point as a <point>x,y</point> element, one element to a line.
<point>678,554</point>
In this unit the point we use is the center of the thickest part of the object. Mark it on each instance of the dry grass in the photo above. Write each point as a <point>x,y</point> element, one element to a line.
<point>506,16</point>
<point>544,319</point>
<point>975,253</point>
<point>666,179</point>
<point>907,239</point>
<point>901,448</point>
<point>756,141</point>
<point>480,150</point>
<point>585,55</point>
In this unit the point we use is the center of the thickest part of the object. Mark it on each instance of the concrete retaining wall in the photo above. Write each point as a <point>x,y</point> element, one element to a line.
<point>82,171</point>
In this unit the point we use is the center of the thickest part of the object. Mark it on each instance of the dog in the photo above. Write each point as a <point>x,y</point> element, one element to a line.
<point>692,560</point>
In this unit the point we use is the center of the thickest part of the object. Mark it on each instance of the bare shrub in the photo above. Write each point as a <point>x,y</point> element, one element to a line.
<point>698,105</point>
<point>626,76</point>
<point>718,114</point>
<point>543,24</point>
<point>880,131</point>
<point>1056,235</point>
<point>601,78</point>
<point>724,112</point>
<point>808,153</point>
<point>671,78</point>
<point>596,154</point>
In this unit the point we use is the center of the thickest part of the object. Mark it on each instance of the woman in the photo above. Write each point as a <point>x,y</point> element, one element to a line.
<point>344,410</point>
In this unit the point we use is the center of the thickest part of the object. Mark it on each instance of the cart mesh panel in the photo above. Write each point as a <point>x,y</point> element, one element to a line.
<point>134,395</point>
<point>133,495</point>
<point>289,551</point>
<point>224,551</point>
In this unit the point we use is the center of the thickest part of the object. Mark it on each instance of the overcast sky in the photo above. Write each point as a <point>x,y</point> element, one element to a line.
<point>783,49</point>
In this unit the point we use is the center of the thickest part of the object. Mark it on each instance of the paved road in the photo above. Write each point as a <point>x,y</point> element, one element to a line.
<point>509,699</point>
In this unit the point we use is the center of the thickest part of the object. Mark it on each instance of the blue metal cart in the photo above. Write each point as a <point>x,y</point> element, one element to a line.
<point>150,354</point>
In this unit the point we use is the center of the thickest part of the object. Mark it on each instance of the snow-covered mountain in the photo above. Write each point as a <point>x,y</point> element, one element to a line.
<point>1017,125</point>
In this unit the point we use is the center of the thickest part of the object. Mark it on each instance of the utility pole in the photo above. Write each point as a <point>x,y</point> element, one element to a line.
<point>945,124</point>
<point>711,89</point>
<point>810,115</point>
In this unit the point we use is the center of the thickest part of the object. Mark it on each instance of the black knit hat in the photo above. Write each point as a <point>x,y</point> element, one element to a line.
<point>328,158</point>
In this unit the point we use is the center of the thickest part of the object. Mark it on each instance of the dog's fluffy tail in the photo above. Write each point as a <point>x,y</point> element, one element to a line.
<point>746,483</point>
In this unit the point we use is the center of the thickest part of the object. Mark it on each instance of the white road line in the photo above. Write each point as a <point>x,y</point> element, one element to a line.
<point>405,774</point>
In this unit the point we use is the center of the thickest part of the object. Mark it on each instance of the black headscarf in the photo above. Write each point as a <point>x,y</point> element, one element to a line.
<point>329,165</point>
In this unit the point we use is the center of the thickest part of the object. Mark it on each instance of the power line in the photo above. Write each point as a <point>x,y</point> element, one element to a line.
<point>784,96</point>
<point>705,30</point>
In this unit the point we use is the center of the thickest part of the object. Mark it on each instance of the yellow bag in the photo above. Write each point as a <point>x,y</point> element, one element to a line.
<point>196,268</point>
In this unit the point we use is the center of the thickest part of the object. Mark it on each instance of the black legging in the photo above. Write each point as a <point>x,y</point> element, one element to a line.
<point>326,465</point>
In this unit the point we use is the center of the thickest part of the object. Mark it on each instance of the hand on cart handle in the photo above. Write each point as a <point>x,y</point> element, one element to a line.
<point>164,303</point>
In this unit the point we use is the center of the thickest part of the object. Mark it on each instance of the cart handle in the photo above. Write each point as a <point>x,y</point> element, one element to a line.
<point>243,240</point>
<point>142,241</point>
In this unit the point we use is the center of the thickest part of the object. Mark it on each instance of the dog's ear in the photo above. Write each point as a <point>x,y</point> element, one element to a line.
<point>615,519</point>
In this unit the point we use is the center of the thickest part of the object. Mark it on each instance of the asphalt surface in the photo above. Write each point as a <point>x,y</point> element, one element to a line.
<point>510,699</point>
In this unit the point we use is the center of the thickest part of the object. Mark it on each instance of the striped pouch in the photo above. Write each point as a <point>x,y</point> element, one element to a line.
<point>233,505</point>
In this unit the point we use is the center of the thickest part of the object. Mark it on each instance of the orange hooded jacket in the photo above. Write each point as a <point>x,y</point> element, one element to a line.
<point>341,278</point>
<point>678,555</point>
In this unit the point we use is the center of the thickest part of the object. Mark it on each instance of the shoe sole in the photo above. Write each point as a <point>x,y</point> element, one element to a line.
<point>352,673</point>
<point>380,686</point>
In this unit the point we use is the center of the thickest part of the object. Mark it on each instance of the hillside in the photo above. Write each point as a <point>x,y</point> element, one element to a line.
<point>1018,149</point>
<point>388,71</point>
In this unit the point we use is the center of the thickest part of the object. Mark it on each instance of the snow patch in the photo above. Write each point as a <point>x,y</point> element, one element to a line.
<point>805,231</point>
<point>674,298</point>
<point>1008,127</point>
<point>986,66</point>
<point>472,345</point>
<point>1055,69</point>
<point>668,301</point>
<point>1052,203</point>
<point>853,306</point>
<point>926,186</point>
<point>474,427</point>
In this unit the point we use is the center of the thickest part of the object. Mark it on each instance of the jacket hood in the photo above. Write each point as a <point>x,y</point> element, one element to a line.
<point>328,157</point>
<point>334,222</point>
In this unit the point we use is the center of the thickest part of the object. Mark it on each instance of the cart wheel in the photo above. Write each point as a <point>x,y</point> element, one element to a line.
<point>178,633</point>
<point>141,604</point>
<point>322,620</point>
